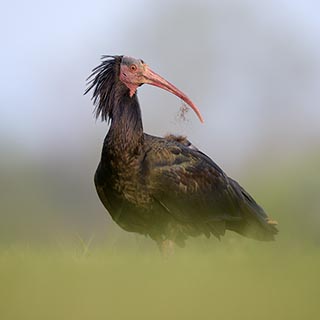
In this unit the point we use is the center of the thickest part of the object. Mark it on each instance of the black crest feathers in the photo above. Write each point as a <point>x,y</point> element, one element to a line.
<point>102,80</point>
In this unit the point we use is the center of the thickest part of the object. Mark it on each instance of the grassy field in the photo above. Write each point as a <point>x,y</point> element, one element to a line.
<point>122,276</point>
<point>207,280</point>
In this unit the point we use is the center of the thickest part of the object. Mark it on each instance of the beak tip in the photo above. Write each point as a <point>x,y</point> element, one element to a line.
<point>200,118</point>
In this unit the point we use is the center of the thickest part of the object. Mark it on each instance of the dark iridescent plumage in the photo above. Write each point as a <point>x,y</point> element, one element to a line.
<point>164,187</point>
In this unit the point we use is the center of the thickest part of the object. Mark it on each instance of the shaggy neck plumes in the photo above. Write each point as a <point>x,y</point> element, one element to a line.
<point>113,102</point>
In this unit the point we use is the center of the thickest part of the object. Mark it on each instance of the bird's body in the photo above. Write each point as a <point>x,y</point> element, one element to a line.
<point>164,187</point>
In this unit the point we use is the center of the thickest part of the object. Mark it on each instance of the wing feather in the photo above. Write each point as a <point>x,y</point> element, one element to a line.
<point>198,194</point>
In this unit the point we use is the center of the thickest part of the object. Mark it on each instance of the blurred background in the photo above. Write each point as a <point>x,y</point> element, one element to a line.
<point>252,67</point>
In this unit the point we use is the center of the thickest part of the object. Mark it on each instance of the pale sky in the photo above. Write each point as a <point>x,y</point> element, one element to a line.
<point>253,68</point>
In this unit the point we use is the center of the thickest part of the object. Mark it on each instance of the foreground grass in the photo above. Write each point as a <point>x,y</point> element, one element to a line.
<point>246,281</point>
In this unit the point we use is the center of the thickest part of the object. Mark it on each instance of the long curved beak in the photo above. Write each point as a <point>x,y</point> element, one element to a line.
<point>154,79</point>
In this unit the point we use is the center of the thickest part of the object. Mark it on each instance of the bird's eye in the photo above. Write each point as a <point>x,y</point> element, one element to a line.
<point>133,67</point>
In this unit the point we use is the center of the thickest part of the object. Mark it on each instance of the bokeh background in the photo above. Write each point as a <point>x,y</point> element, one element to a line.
<point>252,67</point>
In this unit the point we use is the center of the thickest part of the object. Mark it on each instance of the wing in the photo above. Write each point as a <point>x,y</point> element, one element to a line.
<point>191,187</point>
<point>197,193</point>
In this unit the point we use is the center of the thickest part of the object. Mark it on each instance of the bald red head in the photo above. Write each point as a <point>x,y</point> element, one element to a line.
<point>134,73</point>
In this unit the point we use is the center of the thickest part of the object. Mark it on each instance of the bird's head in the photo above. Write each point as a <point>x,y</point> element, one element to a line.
<point>132,73</point>
<point>135,72</point>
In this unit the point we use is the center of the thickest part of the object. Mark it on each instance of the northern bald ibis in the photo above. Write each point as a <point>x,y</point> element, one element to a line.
<point>162,187</point>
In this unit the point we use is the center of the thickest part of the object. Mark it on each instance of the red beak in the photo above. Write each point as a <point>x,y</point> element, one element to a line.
<point>154,79</point>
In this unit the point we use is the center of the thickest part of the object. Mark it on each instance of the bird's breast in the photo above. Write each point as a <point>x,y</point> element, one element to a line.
<point>121,176</point>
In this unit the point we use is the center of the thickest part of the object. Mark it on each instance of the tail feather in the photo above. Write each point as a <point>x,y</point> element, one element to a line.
<point>256,223</point>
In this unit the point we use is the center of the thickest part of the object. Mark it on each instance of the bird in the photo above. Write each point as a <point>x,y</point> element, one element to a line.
<point>164,188</point>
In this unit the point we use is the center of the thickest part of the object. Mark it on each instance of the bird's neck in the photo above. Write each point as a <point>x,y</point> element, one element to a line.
<point>125,135</point>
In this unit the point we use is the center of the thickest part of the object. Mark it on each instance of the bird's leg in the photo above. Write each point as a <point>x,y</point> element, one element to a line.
<point>167,248</point>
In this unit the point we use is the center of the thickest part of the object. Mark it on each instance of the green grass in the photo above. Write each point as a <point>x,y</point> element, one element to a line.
<point>207,280</point>
<point>126,278</point>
